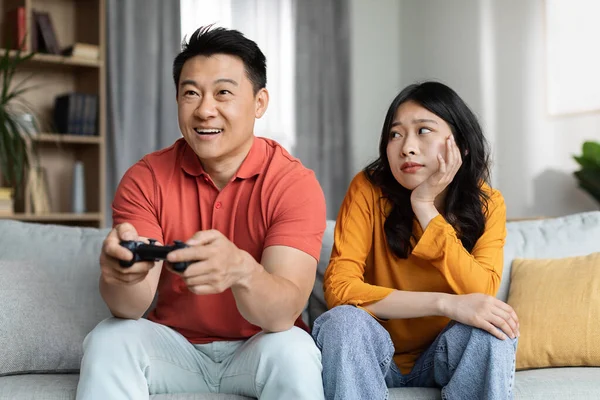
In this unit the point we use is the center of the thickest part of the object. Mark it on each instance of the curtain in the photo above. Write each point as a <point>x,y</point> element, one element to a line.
<point>322,95</point>
<point>143,38</point>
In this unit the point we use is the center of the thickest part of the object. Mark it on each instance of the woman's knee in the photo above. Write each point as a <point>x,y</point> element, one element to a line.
<point>343,319</point>
<point>349,326</point>
<point>485,342</point>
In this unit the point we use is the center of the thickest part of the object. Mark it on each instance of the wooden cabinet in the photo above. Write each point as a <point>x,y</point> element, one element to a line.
<point>52,75</point>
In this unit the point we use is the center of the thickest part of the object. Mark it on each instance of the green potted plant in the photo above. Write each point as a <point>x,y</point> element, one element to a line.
<point>15,154</point>
<point>589,174</point>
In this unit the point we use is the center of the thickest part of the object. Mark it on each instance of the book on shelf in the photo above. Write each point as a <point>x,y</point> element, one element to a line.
<point>15,28</point>
<point>76,114</point>
<point>38,190</point>
<point>82,50</point>
<point>6,207</point>
<point>6,193</point>
<point>46,38</point>
<point>6,200</point>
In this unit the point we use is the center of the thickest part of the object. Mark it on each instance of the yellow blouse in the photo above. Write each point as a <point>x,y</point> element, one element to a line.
<point>363,269</point>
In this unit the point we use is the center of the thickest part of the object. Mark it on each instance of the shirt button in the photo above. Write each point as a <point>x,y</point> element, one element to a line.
<point>218,205</point>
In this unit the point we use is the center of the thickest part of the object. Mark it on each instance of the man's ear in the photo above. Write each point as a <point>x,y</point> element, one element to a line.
<point>261,102</point>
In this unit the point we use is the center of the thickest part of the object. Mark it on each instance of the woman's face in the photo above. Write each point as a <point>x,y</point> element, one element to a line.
<point>416,138</point>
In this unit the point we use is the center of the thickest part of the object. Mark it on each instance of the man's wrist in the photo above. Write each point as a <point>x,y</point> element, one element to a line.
<point>248,268</point>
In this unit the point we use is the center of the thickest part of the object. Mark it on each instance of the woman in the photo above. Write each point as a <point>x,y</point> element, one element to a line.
<point>416,261</point>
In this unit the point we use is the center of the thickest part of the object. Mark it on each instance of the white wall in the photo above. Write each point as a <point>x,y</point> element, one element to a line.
<point>375,73</point>
<point>492,54</point>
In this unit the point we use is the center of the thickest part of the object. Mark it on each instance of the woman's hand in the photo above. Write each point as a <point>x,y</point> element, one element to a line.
<point>484,312</point>
<point>427,191</point>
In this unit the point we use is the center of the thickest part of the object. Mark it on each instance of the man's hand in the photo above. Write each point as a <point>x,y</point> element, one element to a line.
<point>427,191</point>
<point>218,263</point>
<point>484,312</point>
<point>111,272</point>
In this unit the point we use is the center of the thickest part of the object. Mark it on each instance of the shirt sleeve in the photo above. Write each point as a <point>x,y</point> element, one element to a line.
<point>135,203</point>
<point>353,239</point>
<point>477,272</point>
<point>299,216</point>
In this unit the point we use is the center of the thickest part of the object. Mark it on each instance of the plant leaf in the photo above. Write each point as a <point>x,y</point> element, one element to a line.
<point>591,151</point>
<point>589,180</point>
<point>584,162</point>
<point>14,143</point>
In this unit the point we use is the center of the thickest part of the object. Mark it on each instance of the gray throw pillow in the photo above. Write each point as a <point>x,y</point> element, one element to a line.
<point>49,297</point>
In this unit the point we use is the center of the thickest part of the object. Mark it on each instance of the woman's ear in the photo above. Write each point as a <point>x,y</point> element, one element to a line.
<point>466,153</point>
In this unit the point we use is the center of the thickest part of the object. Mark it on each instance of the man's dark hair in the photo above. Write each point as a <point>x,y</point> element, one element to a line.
<point>207,41</point>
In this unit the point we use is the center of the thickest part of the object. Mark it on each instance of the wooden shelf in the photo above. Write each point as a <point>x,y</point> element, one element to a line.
<point>49,76</point>
<point>56,59</point>
<point>65,138</point>
<point>58,217</point>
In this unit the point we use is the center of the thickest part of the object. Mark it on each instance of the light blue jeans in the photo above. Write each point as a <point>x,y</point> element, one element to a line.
<point>130,359</point>
<point>466,362</point>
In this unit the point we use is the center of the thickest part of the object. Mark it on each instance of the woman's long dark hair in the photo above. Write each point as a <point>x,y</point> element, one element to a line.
<point>466,203</point>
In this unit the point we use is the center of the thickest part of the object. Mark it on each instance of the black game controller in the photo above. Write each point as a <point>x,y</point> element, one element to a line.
<point>151,252</point>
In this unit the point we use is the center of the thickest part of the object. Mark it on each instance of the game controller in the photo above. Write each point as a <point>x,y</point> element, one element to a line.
<point>151,252</point>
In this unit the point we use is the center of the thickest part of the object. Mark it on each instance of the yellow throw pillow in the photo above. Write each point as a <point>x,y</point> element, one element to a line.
<point>558,305</point>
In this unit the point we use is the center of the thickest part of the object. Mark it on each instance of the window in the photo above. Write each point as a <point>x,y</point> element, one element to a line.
<point>573,59</point>
<point>270,23</point>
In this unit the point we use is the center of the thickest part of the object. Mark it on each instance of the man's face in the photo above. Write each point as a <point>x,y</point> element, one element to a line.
<point>416,138</point>
<point>217,107</point>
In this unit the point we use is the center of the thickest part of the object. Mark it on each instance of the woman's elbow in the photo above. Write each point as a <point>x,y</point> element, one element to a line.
<point>493,285</point>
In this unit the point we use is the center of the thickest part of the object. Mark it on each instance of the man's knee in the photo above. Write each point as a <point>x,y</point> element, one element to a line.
<point>111,333</point>
<point>292,351</point>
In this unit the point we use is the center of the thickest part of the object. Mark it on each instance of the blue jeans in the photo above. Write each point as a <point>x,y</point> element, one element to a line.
<point>357,357</point>
<point>131,359</point>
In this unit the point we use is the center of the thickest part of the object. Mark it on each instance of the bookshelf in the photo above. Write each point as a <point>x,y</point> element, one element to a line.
<point>52,75</point>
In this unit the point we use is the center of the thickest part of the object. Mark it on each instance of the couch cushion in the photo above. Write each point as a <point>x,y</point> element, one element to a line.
<point>415,394</point>
<point>198,396</point>
<point>49,295</point>
<point>558,304</point>
<point>39,387</point>
<point>539,384</point>
<point>542,384</point>
<point>569,236</point>
<point>316,303</point>
<point>64,387</point>
<point>558,384</point>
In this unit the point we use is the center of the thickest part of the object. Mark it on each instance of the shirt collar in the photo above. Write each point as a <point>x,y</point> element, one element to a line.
<point>252,165</point>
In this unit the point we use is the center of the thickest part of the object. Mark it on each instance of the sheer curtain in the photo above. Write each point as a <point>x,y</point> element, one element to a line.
<point>270,23</point>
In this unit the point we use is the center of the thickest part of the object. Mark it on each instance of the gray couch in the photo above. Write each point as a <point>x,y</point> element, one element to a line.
<point>49,301</point>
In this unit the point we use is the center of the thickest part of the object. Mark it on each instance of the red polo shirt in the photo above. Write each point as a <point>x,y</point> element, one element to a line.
<point>271,200</point>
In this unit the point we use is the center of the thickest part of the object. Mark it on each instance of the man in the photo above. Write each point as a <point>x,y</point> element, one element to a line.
<point>253,218</point>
